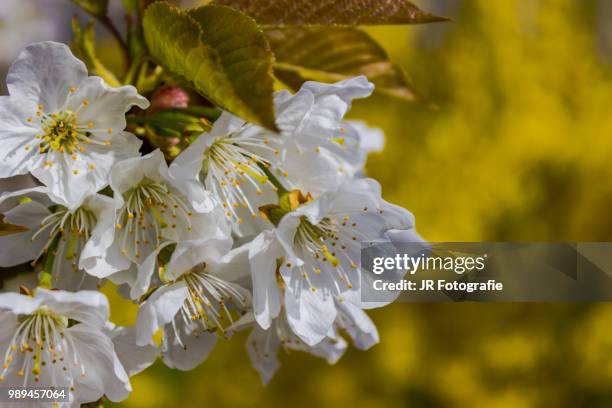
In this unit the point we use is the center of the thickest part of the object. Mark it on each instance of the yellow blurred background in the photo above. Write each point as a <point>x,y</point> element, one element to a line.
<point>518,149</point>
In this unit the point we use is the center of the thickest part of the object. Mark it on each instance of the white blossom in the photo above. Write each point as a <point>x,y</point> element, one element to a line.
<point>233,162</point>
<point>56,236</point>
<point>322,149</point>
<point>313,256</point>
<point>198,299</point>
<point>246,228</point>
<point>64,127</point>
<point>57,339</point>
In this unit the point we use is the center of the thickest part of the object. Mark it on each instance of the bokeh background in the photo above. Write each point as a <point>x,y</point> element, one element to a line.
<point>519,148</point>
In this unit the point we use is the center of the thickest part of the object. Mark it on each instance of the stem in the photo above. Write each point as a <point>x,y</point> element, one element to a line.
<point>211,114</point>
<point>47,272</point>
<point>281,190</point>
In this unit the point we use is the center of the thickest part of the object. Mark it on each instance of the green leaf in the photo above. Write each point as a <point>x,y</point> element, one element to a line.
<point>332,12</point>
<point>330,54</point>
<point>219,51</point>
<point>83,45</point>
<point>96,8</point>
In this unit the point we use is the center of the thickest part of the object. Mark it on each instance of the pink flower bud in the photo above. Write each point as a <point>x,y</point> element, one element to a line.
<point>170,97</point>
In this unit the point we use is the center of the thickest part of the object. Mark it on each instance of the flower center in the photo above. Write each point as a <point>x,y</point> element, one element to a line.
<point>233,169</point>
<point>211,301</point>
<point>331,246</point>
<point>68,232</point>
<point>61,132</point>
<point>314,239</point>
<point>150,209</point>
<point>38,341</point>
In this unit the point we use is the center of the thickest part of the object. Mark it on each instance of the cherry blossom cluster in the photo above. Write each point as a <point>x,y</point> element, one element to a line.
<point>246,229</point>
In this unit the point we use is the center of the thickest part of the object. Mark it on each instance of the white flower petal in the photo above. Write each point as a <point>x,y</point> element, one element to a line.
<point>43,74</point>
<point>159,309</point>
<point>188,164</point>
<point>321,150</point>
<point>104,374</point>
<point>125,279</point>
<point>17,183</point>
<point>185,170</point>
<point>145,273</point>
<point>9,323</point>
<point>318,107</point>
<point>188,254</point>
<point>86,306</point>
<point>101,256</point>
<point>201,199</point>
<point>18,304</point>
<point>285,231</point>
<point>15,135</point>
<point>262,347</point>
<point>67,276</point>
<point>331,349</point>
<point>347,90</point>
<point>130,172</point>
<point>227,123</point>
<point>292,110</point>
<point>18,248</point>
<point>358,325</point>
<point>190,351</point>
<point>370,139</point>
<point>123,145</point>
<point>263,253</point>
<point>234,266</point>
<point>11,199</point>
<point>313,169</point>
<point>133,357</point>
<point>60,180</point>
<point>310,314</point>
<point>97,258</point>
<point>203,226</point>
<point>107,105</point>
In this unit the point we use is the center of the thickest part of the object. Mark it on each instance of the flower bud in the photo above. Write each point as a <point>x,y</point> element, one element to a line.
<point>170,97</point>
